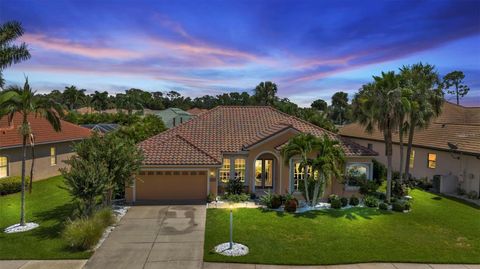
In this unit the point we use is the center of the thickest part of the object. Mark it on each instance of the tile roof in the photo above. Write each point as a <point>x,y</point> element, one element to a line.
<point>43,131</point>
<point>457,125</point>
<point>196,111</point>
<point>227,129</point>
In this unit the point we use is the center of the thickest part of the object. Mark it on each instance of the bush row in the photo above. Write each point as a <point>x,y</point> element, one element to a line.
<point>12,184</point>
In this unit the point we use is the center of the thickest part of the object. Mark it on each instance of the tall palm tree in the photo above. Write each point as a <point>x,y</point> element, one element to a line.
<point>73,97</point>
<point>301,145</point>
<point>265,93</point>
<point>11,53</point>
<point>375,106</point>
<point>328,165</point>
<point>425,102</point>
<point>402,112</point>
<point>24,101</point>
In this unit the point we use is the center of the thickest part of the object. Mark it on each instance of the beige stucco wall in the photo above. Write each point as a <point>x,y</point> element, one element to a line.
<point>42,168</point>
<point>465,171</point>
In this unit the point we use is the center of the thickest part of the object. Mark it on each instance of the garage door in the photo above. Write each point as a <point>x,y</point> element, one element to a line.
<point>171,186</point>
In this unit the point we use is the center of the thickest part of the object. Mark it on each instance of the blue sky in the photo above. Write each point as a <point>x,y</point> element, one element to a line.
<point>311,49</point>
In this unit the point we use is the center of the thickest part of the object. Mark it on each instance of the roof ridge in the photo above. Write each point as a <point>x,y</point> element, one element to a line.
<point>261,137</point>
<point>302,120</point>
<point>189,122</point>
<point>196,147</point>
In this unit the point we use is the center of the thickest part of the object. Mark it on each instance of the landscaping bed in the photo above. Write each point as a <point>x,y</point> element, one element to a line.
<point>437,230</point>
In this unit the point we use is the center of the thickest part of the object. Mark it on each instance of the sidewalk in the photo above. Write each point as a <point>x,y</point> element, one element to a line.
<point>210,265</point>
<point>42,264</point>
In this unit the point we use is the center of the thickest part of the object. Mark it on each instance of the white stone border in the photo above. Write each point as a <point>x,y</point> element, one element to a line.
<point>119,212</point>
<point>236,250</point>
<point>17,228</point>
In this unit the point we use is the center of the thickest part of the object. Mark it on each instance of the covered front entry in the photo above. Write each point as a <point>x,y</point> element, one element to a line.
<point>266,172</point>
<point>172,187</point>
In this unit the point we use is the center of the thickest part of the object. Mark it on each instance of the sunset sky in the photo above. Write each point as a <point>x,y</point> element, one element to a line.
<point>311,49</point>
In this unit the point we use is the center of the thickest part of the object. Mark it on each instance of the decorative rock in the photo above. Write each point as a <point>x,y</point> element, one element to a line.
<point>17,228</point>
<point>236,250</point>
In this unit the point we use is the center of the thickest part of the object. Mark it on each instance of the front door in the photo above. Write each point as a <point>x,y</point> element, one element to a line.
<point>264,174</point>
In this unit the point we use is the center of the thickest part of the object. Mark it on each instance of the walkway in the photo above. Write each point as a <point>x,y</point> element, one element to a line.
<point>154,237</point>
<point>209,265</point>
<point>46,264</point>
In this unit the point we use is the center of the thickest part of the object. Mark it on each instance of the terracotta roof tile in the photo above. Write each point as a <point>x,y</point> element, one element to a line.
<point>228,129</point>
<point>43,131</point>
<point>196,111</point>
<point>458,125</point>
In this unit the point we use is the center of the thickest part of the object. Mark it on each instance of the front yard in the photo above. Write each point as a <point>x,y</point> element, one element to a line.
<point>437,230</point>
<point>49,206</point>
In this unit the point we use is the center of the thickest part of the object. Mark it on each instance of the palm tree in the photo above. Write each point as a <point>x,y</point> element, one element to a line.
<point>425,102</point>
<point>265,93</point>
<point>10,53</point>
<point>328,165</point>
<point>24,101</point>
<point>73,97</point>
<point>403,124</point>
<point>376,106</point>
<point>301,145</point>
<point>100,100</point>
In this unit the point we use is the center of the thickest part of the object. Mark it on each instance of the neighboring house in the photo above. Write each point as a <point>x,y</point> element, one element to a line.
<point>102,128</point>
<point>200,156</point>
<point>173,116</point>
<point>51,148</point>
<point>196,111</point>
<point>449,149</point>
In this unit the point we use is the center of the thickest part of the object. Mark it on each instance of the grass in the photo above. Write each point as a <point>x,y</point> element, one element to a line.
<point>437,230</point>
<point>49,206</point>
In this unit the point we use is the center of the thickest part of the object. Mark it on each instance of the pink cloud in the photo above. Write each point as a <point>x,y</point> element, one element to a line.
<point>67,46</point>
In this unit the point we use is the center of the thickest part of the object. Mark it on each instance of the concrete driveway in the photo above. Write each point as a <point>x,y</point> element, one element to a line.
<point>155,237</point>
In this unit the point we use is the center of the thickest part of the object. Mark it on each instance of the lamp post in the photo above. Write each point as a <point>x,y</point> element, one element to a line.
<point>231,226</point>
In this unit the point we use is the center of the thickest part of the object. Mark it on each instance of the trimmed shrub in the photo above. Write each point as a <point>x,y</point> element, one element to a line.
<point>408,206</point>
<point>461,191</point>
<point>383,206</point>
<point>235,186</point>
<point>271,200</point>
<point>368,187</point>
<point>237,198</point>
<point>354,201</point>
<point>332,197</point>
<point>84,233</point>
<point>12,184</point>
<point>370,201</point>
<point>399,189</point>
<point>336,203</point>
<point>253,196</point>
<point>291,205</point>
<point>276,201</point>
<point>398,206</point>
<point>380,195</point>
<point>344,201</point>
<point>472,195</point>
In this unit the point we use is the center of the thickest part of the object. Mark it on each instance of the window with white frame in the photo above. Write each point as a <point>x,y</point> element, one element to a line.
<point>356,173</point>
<point>299,174</point>
<point>224,172</point>
<point>240,169</point>
<point>3,166</point>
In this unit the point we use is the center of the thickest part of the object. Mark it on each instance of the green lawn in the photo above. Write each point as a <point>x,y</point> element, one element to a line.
<point>49,206</point>
<point>437,230</point>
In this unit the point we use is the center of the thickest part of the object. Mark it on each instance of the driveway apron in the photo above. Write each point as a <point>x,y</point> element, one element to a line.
<point>155,237</point>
